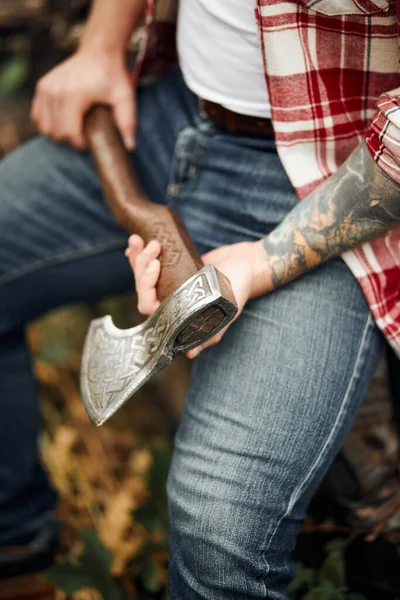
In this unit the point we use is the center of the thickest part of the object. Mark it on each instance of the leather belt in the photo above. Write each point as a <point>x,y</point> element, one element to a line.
<point>236,123</point>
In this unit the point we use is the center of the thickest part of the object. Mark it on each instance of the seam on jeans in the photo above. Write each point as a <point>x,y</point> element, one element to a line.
<point>183,176</point>
<point>341,414</point>
<point>59,259</point>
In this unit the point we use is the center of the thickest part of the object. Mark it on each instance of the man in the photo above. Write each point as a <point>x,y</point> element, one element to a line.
<point>269,406</point>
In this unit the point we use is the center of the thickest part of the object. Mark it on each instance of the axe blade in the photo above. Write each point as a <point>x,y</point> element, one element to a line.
<point>117,362</point>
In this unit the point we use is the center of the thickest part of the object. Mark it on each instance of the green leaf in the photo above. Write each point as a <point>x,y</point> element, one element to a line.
<point>150,578</point>
<point>154,514</point>
<point>326,592</point>
<point>92,570</point>
<point>336,545</point>
<point>333,568</point>
<point>159,472</point>
<point>13,74</point>
<point>69,579</point>
<point>302,580</point>
<point>312,595</point>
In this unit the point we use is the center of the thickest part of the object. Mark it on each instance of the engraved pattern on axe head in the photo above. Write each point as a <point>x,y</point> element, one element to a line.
<point>115,361</point>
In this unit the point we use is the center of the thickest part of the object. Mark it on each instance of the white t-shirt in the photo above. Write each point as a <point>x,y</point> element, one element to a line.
<point>220,55</point>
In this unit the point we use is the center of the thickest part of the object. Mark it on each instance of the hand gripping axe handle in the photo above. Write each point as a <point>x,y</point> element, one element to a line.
<point>196,300</point>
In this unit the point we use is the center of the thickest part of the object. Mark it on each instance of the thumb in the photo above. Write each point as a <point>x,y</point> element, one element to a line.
<point>124,110</point>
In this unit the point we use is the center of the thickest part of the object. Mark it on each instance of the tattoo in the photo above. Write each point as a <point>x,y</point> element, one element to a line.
<point>358,203</point>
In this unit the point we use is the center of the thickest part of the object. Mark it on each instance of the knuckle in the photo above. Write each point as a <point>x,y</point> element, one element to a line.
<point>34,117</point>
<point>46,88</point>
<point>41,84</point>
<point>67,138</point>
<point>78,143</point>
<point>45,130</point>
<point>75,136</point>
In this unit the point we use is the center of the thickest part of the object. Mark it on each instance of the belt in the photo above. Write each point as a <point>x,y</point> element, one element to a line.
<point>236,123</point>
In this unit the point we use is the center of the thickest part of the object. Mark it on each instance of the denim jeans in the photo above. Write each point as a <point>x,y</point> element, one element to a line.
<point>267,408</point>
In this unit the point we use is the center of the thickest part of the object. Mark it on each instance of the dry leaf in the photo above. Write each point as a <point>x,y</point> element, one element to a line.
<point>46,373</point>
<point>140,461</point>
<point>118,513</point>
<point>63,444</point>
<point>87,594</point>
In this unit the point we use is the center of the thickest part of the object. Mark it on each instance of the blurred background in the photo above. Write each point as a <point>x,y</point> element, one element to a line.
<point>112,480</point>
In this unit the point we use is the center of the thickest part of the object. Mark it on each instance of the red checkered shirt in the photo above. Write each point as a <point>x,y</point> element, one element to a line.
<point>332,73</point>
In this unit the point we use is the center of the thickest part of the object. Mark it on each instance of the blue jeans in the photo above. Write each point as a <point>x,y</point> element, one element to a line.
<point>267,408</point>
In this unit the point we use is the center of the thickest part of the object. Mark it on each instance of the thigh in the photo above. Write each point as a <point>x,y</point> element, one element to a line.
<point>58,240</point>
<point>265,415</point>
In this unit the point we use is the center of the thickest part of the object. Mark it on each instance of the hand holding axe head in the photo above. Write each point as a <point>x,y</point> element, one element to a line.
<point>196,301</point>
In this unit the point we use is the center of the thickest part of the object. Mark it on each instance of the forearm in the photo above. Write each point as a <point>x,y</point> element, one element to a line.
<point>110,25</point>
<point>357,204</point>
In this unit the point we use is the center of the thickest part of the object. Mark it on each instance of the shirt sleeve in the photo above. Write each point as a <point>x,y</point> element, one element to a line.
<point>383,137</point>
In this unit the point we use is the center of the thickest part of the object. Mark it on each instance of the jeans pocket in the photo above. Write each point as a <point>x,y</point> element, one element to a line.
<point>186,161</point>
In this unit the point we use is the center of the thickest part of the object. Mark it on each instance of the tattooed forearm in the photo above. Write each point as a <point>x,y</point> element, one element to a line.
<point>358,203</point>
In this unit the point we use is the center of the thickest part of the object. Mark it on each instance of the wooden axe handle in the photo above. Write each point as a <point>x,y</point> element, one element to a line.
<point>133,211</point>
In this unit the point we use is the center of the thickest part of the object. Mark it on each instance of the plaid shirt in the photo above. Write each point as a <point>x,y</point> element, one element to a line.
<point>331,68</point>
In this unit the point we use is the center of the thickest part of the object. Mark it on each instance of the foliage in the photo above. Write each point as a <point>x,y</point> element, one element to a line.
<point>13,74</point>
<point>112,480</point>
<point>327,583</point>
<point>89,568</point>
<point>151,565</point>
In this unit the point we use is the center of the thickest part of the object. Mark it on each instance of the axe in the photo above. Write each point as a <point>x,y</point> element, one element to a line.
<point>196,300</point>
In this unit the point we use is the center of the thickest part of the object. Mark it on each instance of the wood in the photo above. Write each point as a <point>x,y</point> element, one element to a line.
<point>136,214</point>
<point>133,211</point>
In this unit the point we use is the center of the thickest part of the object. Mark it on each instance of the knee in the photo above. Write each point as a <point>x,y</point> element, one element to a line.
<point>214,554</point>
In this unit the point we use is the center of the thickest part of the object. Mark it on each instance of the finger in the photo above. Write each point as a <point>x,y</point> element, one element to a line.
<point>135,247</point>
<point>41,114</point>
<point>136,243</point>
<point>37,104</point>
<point>49,96</point>
<point>194,352</point>
<point>125,118</point>
<point>77,137</point>
<point>70,114</point>
<point>35,109</point>
<point>142,261</point>
<point>57,118</point>
<point>206,258</point>
<point>45,118</point>
<point>148,301</point>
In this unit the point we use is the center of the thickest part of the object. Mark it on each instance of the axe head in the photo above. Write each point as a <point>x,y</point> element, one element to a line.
<point>117,362</point>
